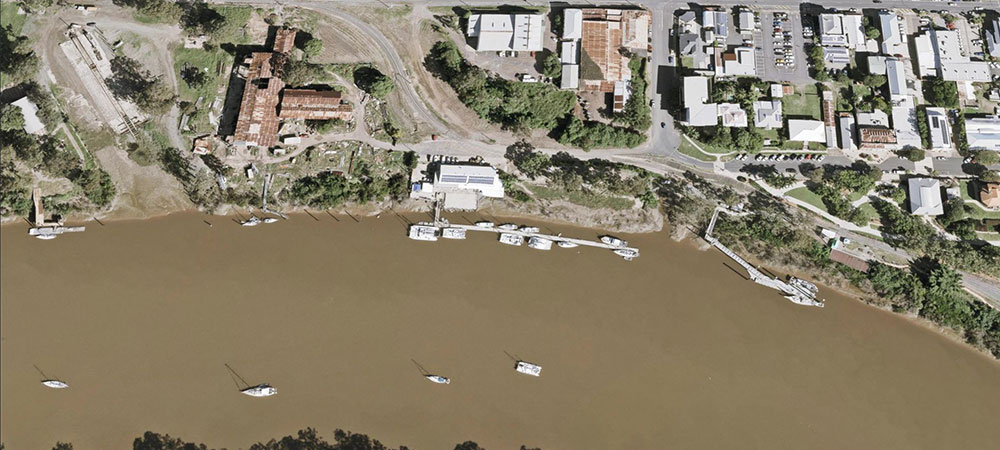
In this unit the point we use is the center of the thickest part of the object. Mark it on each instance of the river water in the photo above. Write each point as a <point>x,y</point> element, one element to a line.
<point>672,350</point>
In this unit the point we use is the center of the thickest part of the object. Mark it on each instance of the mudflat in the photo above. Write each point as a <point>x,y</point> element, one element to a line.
<point>672,350</point>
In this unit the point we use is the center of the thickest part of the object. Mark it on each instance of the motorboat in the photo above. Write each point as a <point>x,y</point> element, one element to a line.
<point>527,229</point>
<point>453,233</point>
<point>507,226</point>
<point>45,237</point>
<point>803,285</point>
<point>627,253</point>
<point>251,222</point>
<point>803,300</point>
<point>438,379</point>
<point>613,241</point>
<point>528,368</point>
<point>539,243</point>
<point>55,384</point>
<point>260,390</point>
<point>511,239</point>
<point>567,244</point>
<point>484,224</point>
<point>270,220</point>
<point>423,232</point>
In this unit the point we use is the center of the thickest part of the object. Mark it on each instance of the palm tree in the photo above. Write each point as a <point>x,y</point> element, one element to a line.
<point>945,281</point>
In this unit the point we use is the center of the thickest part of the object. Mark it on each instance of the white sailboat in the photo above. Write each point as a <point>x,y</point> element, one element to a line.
<point>45,237</point>
<point>484,224</point>
<point>438,379</point>
<point>613,241</point>
<point>527,229</point>
<point>260,390</point>
<point>567,244</point>
<point>270,220</point>
<point>55,384</point>
<point>507,226</point>
<point>251,222</point>
<point>627,253</point>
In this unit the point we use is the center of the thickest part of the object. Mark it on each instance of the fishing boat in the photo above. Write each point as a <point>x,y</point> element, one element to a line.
<point>566,244</point>
<point>251,222</point>
<point>528,368</point>
<point>423,232</point>
<point>507,226</point>
<point>627,253</point>
<point>613,241</point>
<point>438,379</point>
<point>55,384</point>
<point>527,229</point>
<point>484,224</point>
<point>260,390</point>
<point>511,239</point>
<point>453,233</point>
<point>270,220</point>
<point>539,243</point>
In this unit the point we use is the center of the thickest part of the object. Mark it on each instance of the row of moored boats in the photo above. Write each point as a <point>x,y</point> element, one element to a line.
<point>512,234</point>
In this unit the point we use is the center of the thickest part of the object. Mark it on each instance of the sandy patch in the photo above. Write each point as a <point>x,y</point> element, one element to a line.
<point>142,191</point>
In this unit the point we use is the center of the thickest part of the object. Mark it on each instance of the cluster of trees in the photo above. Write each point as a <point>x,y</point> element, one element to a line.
<point>961,140</point>
<point>934,291</point>
<point>130,81</point>
<point>19,62</point>
<point>747,139</point>
<point>328,189</point>
<point>957,221</point>
<point>910,232</point>
<point>305,439</point>
<point>835,185</point>
<point>923,128</point>
<point>941,93</point>
<point>521,107</point>
<point>912,153</point>
<point>769,174</point>
<point>551,65</point>
<point>47,155</point>
<point>374,82</point>
<point>594,176</point>
<point>637,113</point>
<point>160,10</point>
<point>818,63</point>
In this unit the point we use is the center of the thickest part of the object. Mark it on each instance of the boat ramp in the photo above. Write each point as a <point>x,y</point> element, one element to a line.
<point>798,291</point>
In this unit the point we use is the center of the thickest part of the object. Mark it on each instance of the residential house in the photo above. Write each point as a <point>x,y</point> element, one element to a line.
<point>806,130</point>
<point>925,197</point>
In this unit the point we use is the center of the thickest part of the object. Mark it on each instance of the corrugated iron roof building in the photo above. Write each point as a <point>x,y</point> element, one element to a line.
<point>308,104</point>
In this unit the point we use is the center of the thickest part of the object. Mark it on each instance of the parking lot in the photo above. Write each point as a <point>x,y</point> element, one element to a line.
<point>781,47</point>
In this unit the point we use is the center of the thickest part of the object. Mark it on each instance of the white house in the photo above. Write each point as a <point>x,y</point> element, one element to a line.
<point>572,24</point>
<point>925,197</point>
<point>768,114</point>
<point>848,133</point>
<point>806,130</point>
<point>937,122</point>
<point>893,34</point>
<point>32,124</point>
<point>732,115</point>
<point>739,62</point>
<point>983,133</point>
<point>506,32</point>
<point>698,111</point>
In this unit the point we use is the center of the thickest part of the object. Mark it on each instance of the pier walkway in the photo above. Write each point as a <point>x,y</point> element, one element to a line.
<point>793,293</point>
<point>529,234</point>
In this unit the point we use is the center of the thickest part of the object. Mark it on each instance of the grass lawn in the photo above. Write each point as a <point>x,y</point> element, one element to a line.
<point>802,104</point>
<point>870,209</point>
<point>686,148</point>
<point>708,148</point>
<point>582,198</point>
<point>803,193</point>
<point>10,18</point>
<point>202,59</point>
<point>234,30</point>
<point>977,212</point>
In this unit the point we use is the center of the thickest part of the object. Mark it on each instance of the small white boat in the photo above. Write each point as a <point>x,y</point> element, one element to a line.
<point>527,229</point>
<point>511,239</point>
<point>45,237</point>
<point>438,379</point>
<point>484,224</point>
<point>55,384</point>
<point>539,243</point>
<point>507,226</point>
<point>270,220</point>
<point>627,253</point>
<point>566,244</point>
<point>260,390</point>
<point>251,222</point>
<point>453,233</point>
<point>613,241</point>
<point>528,368</point>
<point>423,232</point>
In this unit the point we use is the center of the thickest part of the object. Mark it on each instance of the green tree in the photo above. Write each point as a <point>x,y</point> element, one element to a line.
<point>941,93</point>
<point>370,80</point>
<point>313,48</point>
<point>529,162</point>
<point>19,62</point>
<point>130,81</point>
<point>11,118</point>
<point>747,139</point>
<point>912,153</point>
<point>551,66</point>
<point>987,157</point>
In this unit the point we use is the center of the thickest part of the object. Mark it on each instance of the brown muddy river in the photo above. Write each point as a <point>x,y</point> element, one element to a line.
<point>672,350</point>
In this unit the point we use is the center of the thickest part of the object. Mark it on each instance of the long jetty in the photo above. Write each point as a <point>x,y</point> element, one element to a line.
<point>791,292</point>
<point>529,234</point>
